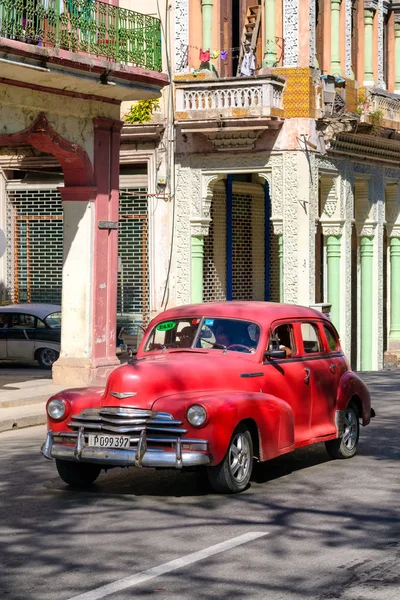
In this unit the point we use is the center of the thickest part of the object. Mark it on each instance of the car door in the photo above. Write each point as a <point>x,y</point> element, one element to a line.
<point>3,334</point>
<point>20,336</point>
<point>286,378</point>
<point>322,378</point>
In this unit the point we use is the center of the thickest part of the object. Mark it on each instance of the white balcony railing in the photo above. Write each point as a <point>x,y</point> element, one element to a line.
<point>385,104</point>
<point>230,98</point>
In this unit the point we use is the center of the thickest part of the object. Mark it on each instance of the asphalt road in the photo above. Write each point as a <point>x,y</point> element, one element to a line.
<point>313,528</point>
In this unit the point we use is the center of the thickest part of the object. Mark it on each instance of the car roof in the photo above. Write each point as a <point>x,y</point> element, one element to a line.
<point>37,310</point>
<point>238,309</point>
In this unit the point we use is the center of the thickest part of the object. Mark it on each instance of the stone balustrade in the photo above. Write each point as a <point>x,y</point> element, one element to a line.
<point>229,98</point>
<point>386,106</point>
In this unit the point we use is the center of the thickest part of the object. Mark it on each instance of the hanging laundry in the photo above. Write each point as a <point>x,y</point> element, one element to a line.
<point>215,54</point>
<point>224,54</point>
<point>248,66</point>
<point>204,55</point>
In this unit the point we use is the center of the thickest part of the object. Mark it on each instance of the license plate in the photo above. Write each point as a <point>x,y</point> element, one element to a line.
<point>109,441</point>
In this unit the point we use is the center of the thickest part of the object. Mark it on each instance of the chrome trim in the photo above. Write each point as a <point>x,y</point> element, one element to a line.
<point>80,442</point>
<point>123,395</point>
<point>47,446</point>
<point>141,449</point>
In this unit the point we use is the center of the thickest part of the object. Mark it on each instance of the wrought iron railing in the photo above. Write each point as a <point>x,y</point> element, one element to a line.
<point>86,26</point>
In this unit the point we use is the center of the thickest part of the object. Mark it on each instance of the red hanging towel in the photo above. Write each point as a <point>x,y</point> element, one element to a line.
<point>204,56</point>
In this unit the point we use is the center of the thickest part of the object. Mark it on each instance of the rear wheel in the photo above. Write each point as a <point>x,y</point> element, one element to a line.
<point>46,357</point>
<point>233,474</point>
<point>346,446</point>
<point>77,474</point>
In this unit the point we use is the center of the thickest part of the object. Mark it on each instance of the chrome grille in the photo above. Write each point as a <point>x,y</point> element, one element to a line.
<point>159,427</point>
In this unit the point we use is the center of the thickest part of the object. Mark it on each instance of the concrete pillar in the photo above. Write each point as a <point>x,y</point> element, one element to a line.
<point>369,12</point>
<point>394,334</point>
<point>270,46</point>
<point>197,268</point>
<point>90,267</point>
<point>366,258</point>
<point>207,9</point>
<point>336,68</point>
<point>333,253</point>
<point>397,52</point>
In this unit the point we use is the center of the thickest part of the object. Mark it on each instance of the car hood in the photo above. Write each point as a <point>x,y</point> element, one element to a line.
<point>142,382</point>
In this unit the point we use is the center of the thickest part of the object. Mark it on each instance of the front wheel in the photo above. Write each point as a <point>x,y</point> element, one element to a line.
<point>77,474</point>
<point>346,446</point>
<point>233,474</point>
<point>46,357</point>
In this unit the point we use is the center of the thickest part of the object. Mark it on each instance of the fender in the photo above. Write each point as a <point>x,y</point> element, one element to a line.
<point>77,399</point>
<point>272,417</point>
<point>351,385</point>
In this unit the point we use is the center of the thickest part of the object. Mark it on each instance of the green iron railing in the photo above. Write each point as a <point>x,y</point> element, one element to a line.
<point>87,26</point>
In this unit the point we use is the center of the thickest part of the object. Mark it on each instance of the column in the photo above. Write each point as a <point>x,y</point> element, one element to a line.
<point>333,253</point>
<point>207,10</point>
<point>280,253</point>
<point>369,12</point>
<point>397,52</point>
<point>336,68</point>
<point>394,334</point>
<point>366,258</point>
<point>197,268</point>
<point>270,47</point>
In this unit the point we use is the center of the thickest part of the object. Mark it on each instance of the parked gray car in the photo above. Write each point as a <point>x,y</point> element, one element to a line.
<point>30,332</point>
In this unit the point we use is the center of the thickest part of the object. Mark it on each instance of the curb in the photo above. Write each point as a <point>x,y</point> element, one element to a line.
<point>18,418</point>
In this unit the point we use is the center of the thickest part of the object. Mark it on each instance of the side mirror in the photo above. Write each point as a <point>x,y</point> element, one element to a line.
<point>274,354</point>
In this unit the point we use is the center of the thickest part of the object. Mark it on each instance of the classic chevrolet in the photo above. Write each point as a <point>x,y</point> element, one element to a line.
<point>218,386</point>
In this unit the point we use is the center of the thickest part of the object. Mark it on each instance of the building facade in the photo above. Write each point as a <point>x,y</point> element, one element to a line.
<point>269,170</point>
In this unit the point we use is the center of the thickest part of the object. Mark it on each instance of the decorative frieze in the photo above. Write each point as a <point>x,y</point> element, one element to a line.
<point>381,79</point>
<point>312,21</point>
<point>348,22</point>
<point>291,32</point>
<point>181,35</point>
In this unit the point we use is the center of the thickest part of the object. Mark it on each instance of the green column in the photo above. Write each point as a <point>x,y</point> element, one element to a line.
<point>394,333</point>
<point>207,10</point>
<point>368,46</point>
<point>197,267</point>
<point>366,255</point>
<point>397,52</point>
<point>270,47</point>
<point>336,69</point>
<point>280,254</point>
<point>333,249</point>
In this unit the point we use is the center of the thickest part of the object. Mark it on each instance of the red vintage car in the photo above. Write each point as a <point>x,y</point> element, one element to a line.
<point>218,386</point>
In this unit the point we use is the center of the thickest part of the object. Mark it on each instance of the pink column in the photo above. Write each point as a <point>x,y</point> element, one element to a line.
<point>106,172</point>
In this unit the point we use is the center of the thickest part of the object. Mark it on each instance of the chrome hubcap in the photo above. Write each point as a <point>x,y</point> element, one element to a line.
<point>350,429</point>
<point>48,357</point>
<point>239,457</point>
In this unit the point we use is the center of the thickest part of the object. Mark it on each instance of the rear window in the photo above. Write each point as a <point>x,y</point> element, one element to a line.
<point>311,339</point>
<point>53,320</point>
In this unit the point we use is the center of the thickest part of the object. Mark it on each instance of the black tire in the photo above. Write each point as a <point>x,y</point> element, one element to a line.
<point>346,446</point>
<point>46,357</point>
<point>233,474</point>
<point>77,474</point>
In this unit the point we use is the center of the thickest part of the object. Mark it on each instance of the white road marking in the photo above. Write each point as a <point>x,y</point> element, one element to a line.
<point>173,565</point>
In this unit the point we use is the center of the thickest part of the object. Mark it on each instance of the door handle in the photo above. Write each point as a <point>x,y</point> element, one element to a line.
<point>332,368</point>
<point>307,377</point>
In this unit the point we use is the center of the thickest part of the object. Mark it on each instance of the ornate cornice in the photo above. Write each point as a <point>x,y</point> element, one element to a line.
<point>277,224</point>
<point>393,230</point>
<point>370,4</point>
<point>366,229</point>
<point>199,227</point>
<point>332,227</point>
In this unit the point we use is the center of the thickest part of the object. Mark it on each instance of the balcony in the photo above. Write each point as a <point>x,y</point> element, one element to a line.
<point>232,113</point>
<point>380,108</point>
<point>45,42</point>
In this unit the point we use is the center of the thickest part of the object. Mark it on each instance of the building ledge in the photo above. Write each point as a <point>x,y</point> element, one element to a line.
<point>142,132</point>
<point>56,69</point>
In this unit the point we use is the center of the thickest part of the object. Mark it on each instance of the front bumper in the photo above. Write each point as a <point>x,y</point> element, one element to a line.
<point>141,456</point>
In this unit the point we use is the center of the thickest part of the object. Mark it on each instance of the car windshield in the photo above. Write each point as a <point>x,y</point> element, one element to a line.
<point>204,332</point>
<point>53,320</point>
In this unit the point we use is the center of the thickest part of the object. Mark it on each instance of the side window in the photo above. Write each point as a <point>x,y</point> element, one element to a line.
<point>3,320</point>
<point>311,339</point>
<point>40,324</point>
<point>283,339</point>
<point>21,321</point>
<point>330,336</point>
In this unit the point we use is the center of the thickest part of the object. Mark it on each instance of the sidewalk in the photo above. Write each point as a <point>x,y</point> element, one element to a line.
<point>23,404</point>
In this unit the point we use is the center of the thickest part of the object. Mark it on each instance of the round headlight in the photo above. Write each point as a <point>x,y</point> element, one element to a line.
<point>196,415</point>
<point>56,409</point>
